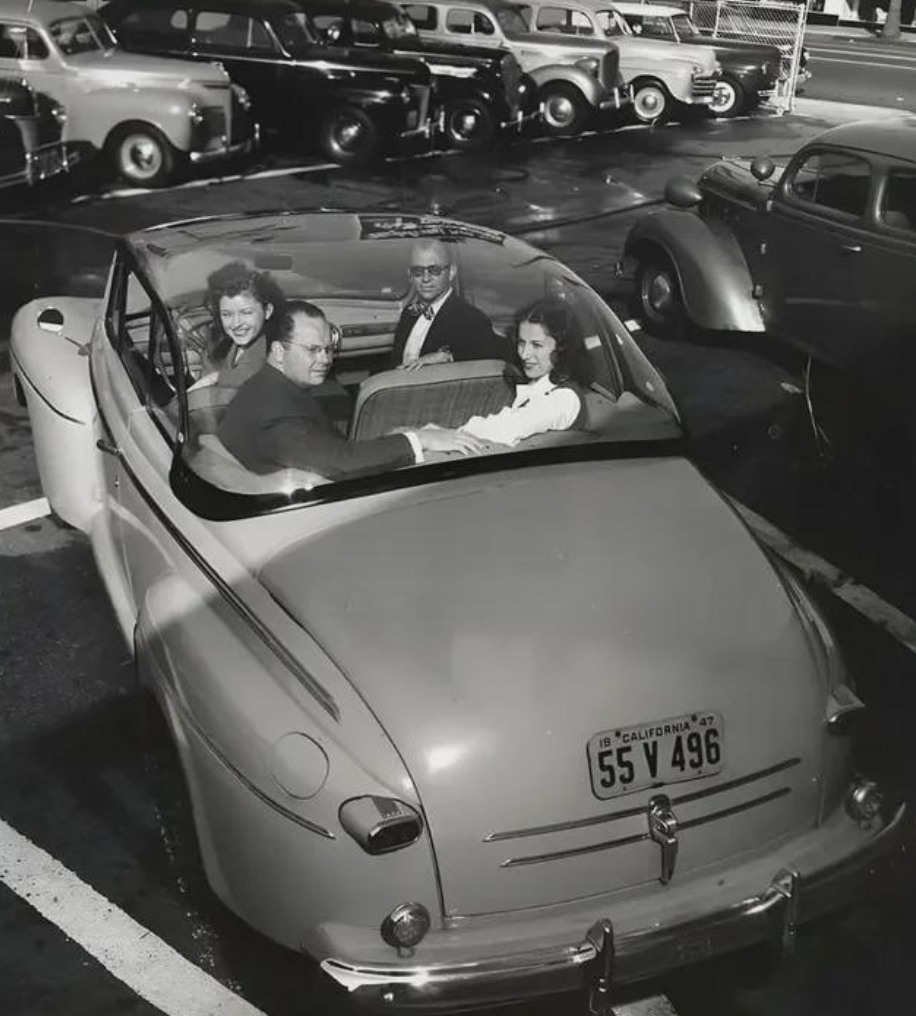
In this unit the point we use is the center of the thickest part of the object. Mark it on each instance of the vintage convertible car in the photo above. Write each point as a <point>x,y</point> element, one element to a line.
<point>822,254</point>
<point>472,729</point>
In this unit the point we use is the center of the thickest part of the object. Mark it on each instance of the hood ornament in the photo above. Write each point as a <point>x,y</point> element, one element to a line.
<point>663,831</point>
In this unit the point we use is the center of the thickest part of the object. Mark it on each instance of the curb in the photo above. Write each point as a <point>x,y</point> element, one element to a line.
<point>845,112</point>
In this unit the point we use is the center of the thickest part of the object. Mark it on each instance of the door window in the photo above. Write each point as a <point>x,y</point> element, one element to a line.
<point>837,181</point>
<point>562,19</point>
<point>219,32</point>
<point>20,43</point>
<point>898,202</point>
<point>467,22</point>
<point>612,23</point>
<point>367,33</point>
<point>423,16</point>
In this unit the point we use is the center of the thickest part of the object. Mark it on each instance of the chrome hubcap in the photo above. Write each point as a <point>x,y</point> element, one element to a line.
<point>141,157</point>
<point>465,124</point>
<point>660,294</point>
<point>349,133</point>
<point>559,111</point>
<point>723,98</point>
<point>650,103</point>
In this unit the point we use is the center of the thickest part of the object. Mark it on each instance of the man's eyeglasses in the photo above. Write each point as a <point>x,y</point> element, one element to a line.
<point>330,347</point>
<point>418,271</point>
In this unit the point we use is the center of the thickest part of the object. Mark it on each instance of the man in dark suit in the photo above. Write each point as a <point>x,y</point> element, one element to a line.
<point>437,325</point>
<point>275,420</point>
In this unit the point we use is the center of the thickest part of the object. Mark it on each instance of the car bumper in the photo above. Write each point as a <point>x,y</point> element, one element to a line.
<point>617,98</point>
<point>48,161</point>
<point>227,150</point>
<point>813,876</point>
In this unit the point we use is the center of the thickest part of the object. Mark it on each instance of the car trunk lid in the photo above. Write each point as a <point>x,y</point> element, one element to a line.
<point>496,630</point>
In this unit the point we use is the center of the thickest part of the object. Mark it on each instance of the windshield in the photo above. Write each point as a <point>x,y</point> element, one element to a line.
<point>511,21</point>
<point>503,343</point>
<point>684,27</point>
<point>612,23</point>
<point>294,34</point>
<point>87,34</point>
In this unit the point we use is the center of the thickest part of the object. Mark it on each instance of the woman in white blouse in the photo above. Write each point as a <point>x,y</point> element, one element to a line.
<point>555,364</point>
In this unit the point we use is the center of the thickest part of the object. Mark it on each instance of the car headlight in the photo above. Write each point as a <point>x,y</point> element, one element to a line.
<point>243,98</point>
<point>195,114</point>
<point>864,802</point>
<point>590,64</point>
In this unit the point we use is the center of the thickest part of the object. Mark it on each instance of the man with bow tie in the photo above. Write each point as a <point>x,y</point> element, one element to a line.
<point>437,325</point>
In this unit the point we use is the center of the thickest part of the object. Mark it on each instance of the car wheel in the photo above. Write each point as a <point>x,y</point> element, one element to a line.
<point>659,304</point>
<point>650,102</point>
<point>349,136</point>
<point>469,124</point>
<point>564,109</point>
<point>728,99</point>
<point>142,155</point>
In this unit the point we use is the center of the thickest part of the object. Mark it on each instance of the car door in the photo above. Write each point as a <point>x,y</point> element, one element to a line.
<point>820,264</point>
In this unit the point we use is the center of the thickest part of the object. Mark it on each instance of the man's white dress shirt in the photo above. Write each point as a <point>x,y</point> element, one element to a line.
<point>414,344</point>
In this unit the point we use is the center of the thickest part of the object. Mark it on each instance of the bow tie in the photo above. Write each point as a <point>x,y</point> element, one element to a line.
<point>420,309</point>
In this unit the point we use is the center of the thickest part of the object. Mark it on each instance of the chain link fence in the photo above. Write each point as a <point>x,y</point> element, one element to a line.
<point>779,24</point>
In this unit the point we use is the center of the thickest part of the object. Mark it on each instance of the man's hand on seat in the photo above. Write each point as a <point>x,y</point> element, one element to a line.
<point>442,356</point>
<point>440,439</point>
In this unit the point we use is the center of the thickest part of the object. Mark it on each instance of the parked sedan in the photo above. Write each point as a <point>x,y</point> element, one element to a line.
<point>352,105</point>
<point>463,729</point>
<point>750,70</point>
<point>146,117</point>
<point>31,148</point>
<point>479,90</point>
<point>822,253</point>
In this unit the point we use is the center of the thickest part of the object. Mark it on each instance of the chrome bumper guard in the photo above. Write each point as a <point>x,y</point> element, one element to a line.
<point>227,150</point>
<point>617,98</point>
<point>603,960</point>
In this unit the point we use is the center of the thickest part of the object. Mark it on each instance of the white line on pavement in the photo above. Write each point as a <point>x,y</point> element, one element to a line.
<point>882,64</point>
<point>139,959</point>
<point>868,603</point>
<point>28,511</point>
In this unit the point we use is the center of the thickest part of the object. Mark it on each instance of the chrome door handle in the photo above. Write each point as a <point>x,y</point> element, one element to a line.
<point>108,448</point>
<point>851,248</point>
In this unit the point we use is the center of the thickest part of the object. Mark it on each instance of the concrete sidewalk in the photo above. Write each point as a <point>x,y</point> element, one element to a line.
<point>843,112</point>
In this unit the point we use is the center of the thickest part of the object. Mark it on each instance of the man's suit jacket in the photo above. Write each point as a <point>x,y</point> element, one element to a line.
<point>272,423</point>
<point>462,327</point>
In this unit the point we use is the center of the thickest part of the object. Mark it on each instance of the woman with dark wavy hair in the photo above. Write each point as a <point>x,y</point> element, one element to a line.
<point>555,365</point>
<point>245,304</point>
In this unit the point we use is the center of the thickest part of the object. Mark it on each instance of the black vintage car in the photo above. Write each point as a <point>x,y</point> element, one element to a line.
<point>354,106</point>
<point>480,89</point>
<point>30,135</point>
<point>821,254</point>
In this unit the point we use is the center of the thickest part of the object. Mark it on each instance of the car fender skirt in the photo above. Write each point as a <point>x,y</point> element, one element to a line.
<point>715,281</point>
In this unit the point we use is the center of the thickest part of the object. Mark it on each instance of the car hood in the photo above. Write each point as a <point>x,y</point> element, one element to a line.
<point>135,69</point>
<point>495,628</point>
<point>637,47</point>
<point>733,50</point>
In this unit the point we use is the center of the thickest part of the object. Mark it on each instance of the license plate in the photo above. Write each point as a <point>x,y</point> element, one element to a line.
<point>627,759</point>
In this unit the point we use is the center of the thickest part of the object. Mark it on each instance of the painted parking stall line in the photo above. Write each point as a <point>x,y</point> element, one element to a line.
<point>867,602</point>
<point>27,511</point>
<point>133,954</point>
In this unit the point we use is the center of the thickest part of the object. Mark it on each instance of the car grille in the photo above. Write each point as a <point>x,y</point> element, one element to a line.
<point>610,68</point>
<point>512,76</point>
<point>703,85</point>
<point>213,129</point>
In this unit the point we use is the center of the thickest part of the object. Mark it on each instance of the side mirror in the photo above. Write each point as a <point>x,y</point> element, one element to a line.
<point>682,192</point>
<point>762,167</point>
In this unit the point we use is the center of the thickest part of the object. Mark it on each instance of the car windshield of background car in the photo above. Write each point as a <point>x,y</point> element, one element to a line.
<point>362,286</point>
<point>612,23</point>
<point>684,27</point>
<point>81,35</point>
<point>658,27</point>
<point>511,22</point>
<point>294,33</point>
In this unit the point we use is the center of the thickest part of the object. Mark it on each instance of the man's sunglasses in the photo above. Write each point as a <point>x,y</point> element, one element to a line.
<point>418,271</point>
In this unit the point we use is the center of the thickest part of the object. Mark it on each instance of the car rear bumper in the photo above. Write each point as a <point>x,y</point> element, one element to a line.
<point>814,876</point>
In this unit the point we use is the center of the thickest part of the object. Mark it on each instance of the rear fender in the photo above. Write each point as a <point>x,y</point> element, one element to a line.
<point>578,77</point>
<point>52,369</point>
<point>716,283</point>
